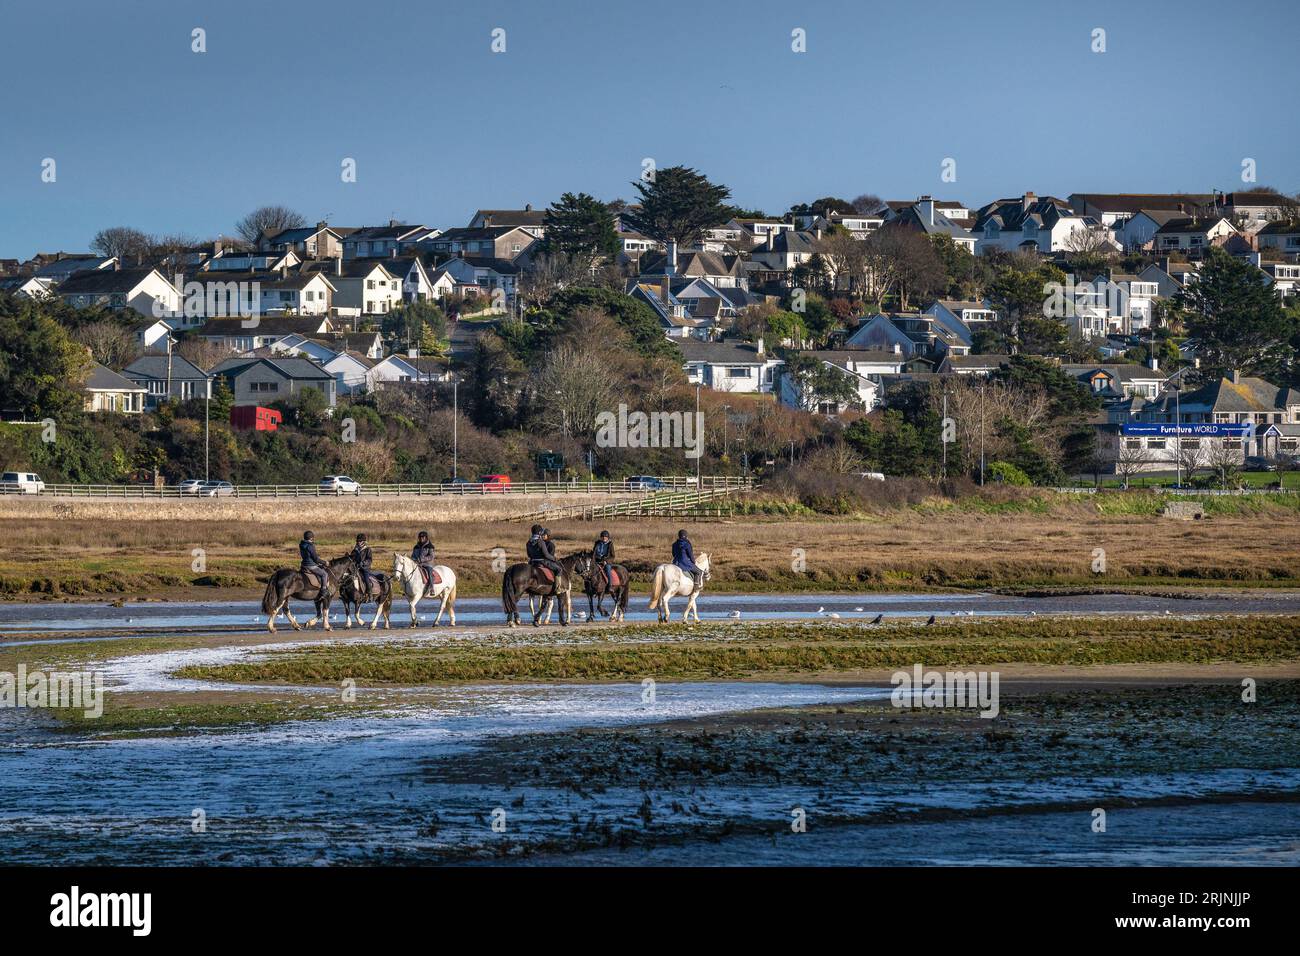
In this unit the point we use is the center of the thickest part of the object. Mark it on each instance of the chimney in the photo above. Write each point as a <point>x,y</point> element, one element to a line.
<point>925,208</point>
<point>663,290</point>
<point>898,348</point>
<point>392,223</point>
<point>1027,200</point>
<point>1155,363</point>
<point>670,264</point>
<point>1235,376</point>
<point>760,346</point>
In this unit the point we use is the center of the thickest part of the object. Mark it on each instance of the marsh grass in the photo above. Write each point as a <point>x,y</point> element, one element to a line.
<point>739,651</point>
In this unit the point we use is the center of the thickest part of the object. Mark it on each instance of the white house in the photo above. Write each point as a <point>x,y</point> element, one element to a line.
<point>1192,235</point>
<point>106,391</point>
<point>730,366</point>
<point>245,335</point>
<point>1284,235</point>
<point>143,289</point>
<point>363,286</point>
<point>351,370</point>
<point>1042,225</point>
<point>406,369</point>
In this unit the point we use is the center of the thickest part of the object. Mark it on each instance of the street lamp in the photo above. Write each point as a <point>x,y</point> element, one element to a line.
<point>1178,435</point>
<point>455,428</point>
<point>725,410</point>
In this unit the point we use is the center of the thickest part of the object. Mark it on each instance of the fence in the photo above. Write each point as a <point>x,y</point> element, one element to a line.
<point>661,503</point>
<point>706,482</point>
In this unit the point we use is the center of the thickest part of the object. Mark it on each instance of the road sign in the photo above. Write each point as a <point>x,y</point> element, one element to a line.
<point>1190,431</point>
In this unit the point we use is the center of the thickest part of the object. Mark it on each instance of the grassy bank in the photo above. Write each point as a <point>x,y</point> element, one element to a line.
<point>744,651</point>
<point>1034,539</point>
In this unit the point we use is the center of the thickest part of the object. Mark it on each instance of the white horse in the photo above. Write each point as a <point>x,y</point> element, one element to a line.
<point>406,571</point>
<point>671,581</point>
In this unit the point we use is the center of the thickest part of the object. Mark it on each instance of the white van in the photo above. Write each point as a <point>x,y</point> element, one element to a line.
<point>21,483</point>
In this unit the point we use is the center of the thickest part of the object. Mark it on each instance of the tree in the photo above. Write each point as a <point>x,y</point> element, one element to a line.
<point>868,203</point>
<point>678,205</point>
<point>41,367</point>
<point>1224,460</point>
<point>1020,291</point>
<point>845,258</point>
<point>581,228</point>
<point>823,207</point>
<point>110,343</point>
<point>122,242</point>
<point>1237,319</point>
<point>267,220</point>
<point>816,382</point>
<point>1130,459</point>
<point>903,264</point>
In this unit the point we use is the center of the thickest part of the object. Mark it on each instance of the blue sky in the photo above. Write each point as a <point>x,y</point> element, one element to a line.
<point>149,134</point>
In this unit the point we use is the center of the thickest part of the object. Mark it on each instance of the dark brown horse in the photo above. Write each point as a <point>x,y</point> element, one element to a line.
<point>291,584</point>
<point>597,584</point>
<point>529,579</point>
<point>381,592</point>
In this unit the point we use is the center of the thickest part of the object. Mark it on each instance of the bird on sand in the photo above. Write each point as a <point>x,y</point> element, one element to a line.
<point>878,618</point>
<point>833,616</point>
<point>931,621</point>
<point>821,610</point>
<point>859,609</point>
<point>735,614</point>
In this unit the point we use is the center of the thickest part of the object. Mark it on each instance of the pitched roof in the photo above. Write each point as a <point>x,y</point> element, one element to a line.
<point>724,353</point>
<point>104,281</point>
<point>512,217</point>
<point>154,365</point>
<point>266,325</point>
<point>1190,224</point>
<point>103,379</point>
<point>295,368</point>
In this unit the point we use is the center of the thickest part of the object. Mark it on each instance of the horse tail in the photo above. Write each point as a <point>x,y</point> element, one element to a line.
<point>508,600</point>
<point>451,598</point>
<point>623,593</point>
<point>657,591</point>
<point>270,595</point>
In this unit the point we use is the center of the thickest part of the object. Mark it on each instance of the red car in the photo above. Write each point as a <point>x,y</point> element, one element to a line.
<point>497,483</point>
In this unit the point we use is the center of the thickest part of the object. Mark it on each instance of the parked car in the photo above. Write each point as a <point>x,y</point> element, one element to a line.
<point>216,489</point>
<point>1258,463</point>
<point>190,486</point>
<point>645,483</point>
<point>497,483</point>
<point>340,484</point>
<point>21,483</point>
<point>872,475</point>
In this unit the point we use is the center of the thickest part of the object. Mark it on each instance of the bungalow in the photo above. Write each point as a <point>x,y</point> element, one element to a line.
<point>722,270</point>
<point>63,268</point>
<point>260,381</point>
<point>1193,235</point>
<point>244,335</point>
<point>233,260</point>
<point>142,289</point>
<point>407,370</point>
<point>106,391</point>
<point>1137,231</point>
<point>167,376</point>
<point>351,370</point>
<point>984,365</point>
<point>730,366</point>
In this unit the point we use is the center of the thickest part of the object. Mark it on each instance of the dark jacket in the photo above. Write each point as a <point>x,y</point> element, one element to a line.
<point>684,555</point>
<point>539,549</point>
<point>603,550</point>
<point>310,559</point>
<point>423,554</point>
<point>362,556</point>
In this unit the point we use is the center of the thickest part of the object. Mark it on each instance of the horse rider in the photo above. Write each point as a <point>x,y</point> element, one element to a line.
<point>422,555</point>
<point>362,557</point>
<point>311,562</point>
<point>541,551</point>
<point>602,552</point>
<point>684,558</point>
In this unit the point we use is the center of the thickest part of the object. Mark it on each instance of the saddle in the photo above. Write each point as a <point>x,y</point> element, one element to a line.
<point>374,584</point>
<point>611,576</point>
<point>546,573</point>
<point>431,577</point>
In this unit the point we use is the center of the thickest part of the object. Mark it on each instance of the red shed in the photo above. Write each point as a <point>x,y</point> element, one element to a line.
<point>255,417</point>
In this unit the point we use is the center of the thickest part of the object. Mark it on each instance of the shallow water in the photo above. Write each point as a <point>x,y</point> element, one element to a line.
<point>789,606</point>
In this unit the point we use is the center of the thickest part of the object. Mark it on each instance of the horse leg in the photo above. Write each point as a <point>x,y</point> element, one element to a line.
<point>413,601</point>
<point>325,614</point>
<point>442,606</point>
<point>289,614</point>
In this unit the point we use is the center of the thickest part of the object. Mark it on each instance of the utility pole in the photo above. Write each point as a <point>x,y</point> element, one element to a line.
<point>725,410</point>
<point>943,434</point>
<point>981,434</point>
<point>1178,435</point>
<point>455,427</point>
<point>699,438</point>
<point>207,401</point>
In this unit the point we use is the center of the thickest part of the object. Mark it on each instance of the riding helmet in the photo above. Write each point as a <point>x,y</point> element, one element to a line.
<point>604,534</point>
<point>537,529</point>
<point>307,536</point>
<point>682,533</point>
<point>361,537</point>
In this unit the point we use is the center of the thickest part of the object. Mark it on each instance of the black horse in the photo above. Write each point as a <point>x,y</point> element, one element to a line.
<point>290,583</point>
<point>380,592</point>
<point>597,584</point>
<point>529,579</point>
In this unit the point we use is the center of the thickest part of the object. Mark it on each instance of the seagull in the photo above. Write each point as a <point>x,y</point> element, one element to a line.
<point>735,614</point>
<point>879,617</point>
<point>833,616</point>
<point>821,610</point>
<point>931,621</point>
<point>859,609</point>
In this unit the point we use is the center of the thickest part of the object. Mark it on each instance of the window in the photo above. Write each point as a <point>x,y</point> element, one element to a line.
<point>738,371</point>
<point>1155,444</point>
<point>263,386</point>
<point>370,283</point>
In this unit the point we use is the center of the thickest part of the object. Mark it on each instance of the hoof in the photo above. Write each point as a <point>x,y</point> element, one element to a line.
<point>297,627</point>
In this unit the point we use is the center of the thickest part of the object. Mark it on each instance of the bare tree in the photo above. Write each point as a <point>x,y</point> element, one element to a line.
<point>1130,459</point>
<point>1224,460</point>
<point>268,220</point>
<point>122,242</point>
<point>111,344</point>
<point>845,258</point>
<point>868,203</point>
<point>1191,457</point>
<point>202,353</point>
